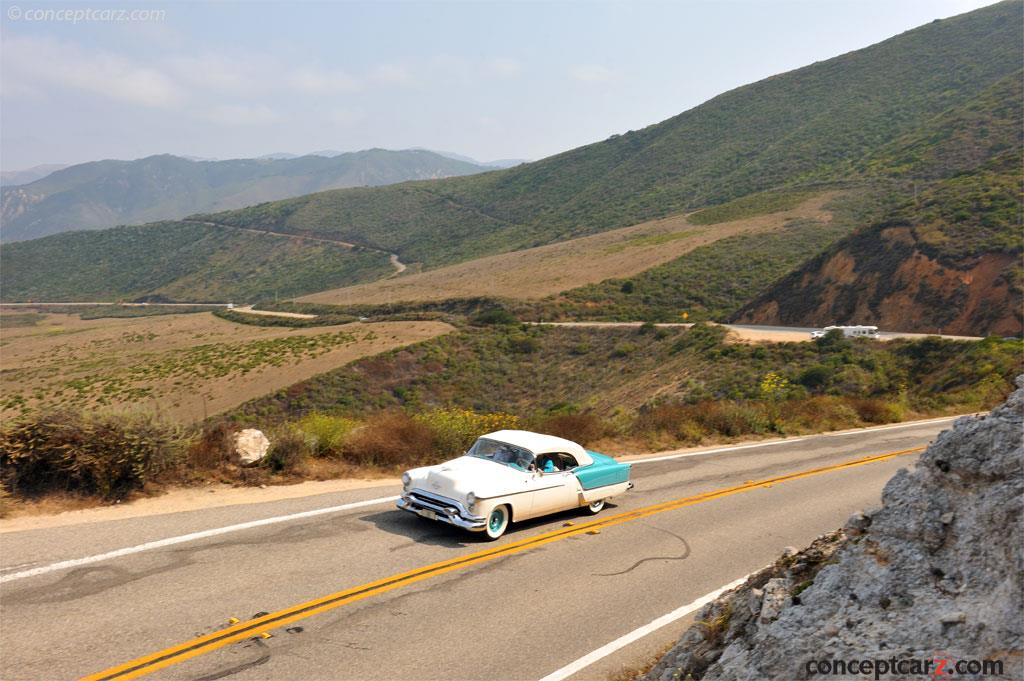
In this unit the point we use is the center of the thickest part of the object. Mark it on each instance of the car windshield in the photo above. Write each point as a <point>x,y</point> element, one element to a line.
<point>501,452</point>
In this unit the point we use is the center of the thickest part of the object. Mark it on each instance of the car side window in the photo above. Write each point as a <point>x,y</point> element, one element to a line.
<point>568,461</point>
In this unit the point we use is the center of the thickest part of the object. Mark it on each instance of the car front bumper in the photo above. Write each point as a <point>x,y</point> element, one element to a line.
<point>436,507</point>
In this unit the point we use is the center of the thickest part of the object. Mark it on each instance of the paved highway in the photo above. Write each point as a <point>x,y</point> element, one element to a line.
<point>344,586</point>
<point>755,332</point>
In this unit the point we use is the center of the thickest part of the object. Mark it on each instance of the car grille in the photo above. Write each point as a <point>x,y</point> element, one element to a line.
<point>435,502</point>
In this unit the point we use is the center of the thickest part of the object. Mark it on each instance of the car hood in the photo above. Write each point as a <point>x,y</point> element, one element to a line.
<point>457,478</point>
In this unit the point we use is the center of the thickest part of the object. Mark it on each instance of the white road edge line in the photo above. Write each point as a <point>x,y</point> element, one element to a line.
<point>909,424</point>
<point>718,451</point>
<point>170,541</point>
<point>637,634</point>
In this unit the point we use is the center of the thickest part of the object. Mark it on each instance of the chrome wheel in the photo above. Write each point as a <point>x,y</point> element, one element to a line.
<point>595,507</point>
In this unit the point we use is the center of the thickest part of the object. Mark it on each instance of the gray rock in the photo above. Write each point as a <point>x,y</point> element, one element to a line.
<point>858,524</point>
<point>776,593</point>
<point>755,597</point>
<point>915,583</point>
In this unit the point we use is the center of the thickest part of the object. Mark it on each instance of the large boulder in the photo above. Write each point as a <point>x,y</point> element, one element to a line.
<point>251,445</point>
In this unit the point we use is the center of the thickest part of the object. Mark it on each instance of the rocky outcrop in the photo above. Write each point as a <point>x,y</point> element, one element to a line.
<point>883,276</point>
<point>935,574</point>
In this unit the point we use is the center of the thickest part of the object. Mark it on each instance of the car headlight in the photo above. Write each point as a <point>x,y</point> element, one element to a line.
<point>470,502</point>
<point>406,480</point>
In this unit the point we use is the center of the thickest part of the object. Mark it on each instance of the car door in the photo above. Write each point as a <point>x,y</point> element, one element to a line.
<point>554,492</point>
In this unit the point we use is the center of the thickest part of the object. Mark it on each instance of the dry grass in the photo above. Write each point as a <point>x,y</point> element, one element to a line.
<point>545,270</point>
<point>638,671</point>
<point>49,505</point>
<point>390,439</point>
<point>185,367</point>
<point>583,428</point>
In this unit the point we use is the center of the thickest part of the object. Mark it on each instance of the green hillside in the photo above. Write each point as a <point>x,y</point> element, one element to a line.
<point>892,111</point>
<point>108,193</point>
<point>799,126</point>
<point>174,261</point>
<point>958,140</point>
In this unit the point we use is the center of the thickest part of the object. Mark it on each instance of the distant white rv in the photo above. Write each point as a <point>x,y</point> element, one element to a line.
<point>849,331</point>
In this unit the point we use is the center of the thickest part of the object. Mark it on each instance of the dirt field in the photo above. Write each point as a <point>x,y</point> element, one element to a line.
<point>184,366</point>
<point>542,271</point>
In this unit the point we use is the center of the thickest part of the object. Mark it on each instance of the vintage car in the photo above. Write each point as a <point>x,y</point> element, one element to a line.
<point>512,475</point>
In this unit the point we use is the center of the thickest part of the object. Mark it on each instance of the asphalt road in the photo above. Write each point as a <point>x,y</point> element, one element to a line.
<point>520,608</point>
<point>797,332</point>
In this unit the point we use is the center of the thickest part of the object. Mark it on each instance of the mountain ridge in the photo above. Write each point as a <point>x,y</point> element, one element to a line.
<point>109,192</point>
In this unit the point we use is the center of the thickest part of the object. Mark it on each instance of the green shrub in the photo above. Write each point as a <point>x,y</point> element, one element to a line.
<point>579,349</point>
<point>523,344</point>
<point>815,377</point>
<point>624,349</point>
<point>702,337</point>
<point>497,315</point>
<point>325,434</point>
<point>288,448</point>
<point>454,430</point>
<point>17,320</point>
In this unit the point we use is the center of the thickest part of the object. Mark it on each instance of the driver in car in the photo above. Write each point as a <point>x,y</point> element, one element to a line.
<point>545,464</point>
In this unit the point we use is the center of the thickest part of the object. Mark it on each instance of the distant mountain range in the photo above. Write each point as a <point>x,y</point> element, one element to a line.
<point>920,134</point>
<point>499,163</point>
<point>49,200</point>
<point>9,178</point>
<point>330,153</point>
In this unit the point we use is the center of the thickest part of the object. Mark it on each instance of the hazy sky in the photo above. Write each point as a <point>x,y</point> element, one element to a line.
<point>486,79</point>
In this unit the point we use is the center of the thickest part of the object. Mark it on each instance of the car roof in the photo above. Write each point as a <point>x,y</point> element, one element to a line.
<point>539,443</point>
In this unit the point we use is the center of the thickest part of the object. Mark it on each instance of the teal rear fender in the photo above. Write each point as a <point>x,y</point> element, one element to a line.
<point>603,472</point>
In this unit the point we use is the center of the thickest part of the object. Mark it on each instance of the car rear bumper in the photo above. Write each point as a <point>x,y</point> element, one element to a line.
<point>436,507</point>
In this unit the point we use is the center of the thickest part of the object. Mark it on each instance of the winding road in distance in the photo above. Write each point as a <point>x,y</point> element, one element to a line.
<point>345,586</point>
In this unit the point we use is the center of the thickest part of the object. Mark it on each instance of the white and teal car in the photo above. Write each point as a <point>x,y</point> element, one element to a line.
<point>512,475</point>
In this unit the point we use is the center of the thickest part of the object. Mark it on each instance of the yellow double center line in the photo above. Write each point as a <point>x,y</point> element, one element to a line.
<point>274,620</point>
